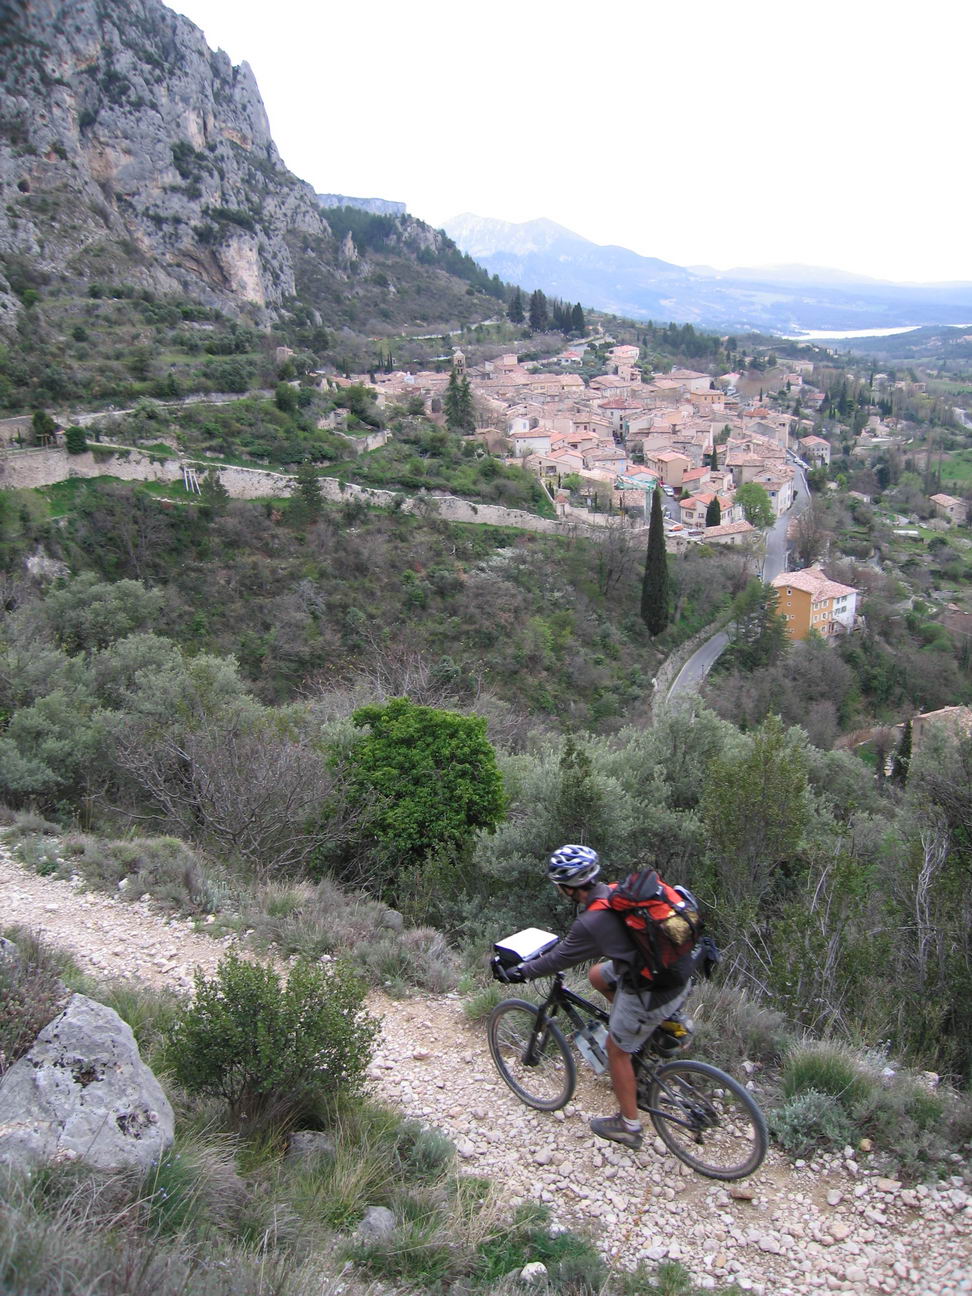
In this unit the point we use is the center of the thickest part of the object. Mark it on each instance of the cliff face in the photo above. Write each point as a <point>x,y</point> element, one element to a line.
<point>125,142</point>
<point>131,153</point>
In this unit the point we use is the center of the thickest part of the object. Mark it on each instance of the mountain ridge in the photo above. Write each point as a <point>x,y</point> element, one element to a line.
<point>132,152</point>
<point>783,299</point>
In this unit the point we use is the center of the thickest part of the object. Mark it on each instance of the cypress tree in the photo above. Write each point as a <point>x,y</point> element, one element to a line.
<point>467,411</point>
<point>902,757</point>
<point>654,587</point>
<point>715,458</point>
<point>515,312</point>
<point>538,311</point>
<point>577,322</point>
<point>452,405</point>
<point>713,514</point>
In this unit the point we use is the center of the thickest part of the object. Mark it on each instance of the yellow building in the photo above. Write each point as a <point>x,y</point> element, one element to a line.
<point>810,600</point>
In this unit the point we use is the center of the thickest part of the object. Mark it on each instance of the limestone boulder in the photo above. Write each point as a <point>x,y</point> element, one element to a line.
<point>83,1093</point>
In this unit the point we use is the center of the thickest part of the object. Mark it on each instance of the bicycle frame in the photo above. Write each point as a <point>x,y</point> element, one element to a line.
<point>562,997</point>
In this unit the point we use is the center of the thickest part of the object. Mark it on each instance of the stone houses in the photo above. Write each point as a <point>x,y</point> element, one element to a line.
<point>623,357</point>
<point>815,449</point>
<point>954,721</point>
<point>953,510</point>
<point>669,465</point>
<point>729,533</point>
<point>690,381</point>
<point>534,441</point>
<point>778,484</point>
<point>810,600</point>
<point>695,479</point>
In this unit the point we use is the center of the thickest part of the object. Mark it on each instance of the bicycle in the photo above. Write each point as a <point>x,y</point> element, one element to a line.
<point>705,1117</point>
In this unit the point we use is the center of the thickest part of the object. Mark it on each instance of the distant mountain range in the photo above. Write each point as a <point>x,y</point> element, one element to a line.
<point>771,299</point>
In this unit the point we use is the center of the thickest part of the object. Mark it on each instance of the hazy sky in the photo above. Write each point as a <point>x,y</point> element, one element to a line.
<point>832,134</point>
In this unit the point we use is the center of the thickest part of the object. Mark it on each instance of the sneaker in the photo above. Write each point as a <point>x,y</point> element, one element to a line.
<point>614,1128</point>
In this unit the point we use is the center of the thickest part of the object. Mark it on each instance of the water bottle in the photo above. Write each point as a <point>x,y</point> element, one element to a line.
<point>591,1043</point>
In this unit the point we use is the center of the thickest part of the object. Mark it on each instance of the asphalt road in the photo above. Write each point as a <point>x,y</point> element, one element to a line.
<point>703,659</point>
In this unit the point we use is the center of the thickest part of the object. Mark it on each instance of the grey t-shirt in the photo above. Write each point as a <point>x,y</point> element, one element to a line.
<point>594,934</point>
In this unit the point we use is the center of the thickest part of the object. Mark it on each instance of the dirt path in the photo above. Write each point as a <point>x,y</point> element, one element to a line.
<point>832,1226</point>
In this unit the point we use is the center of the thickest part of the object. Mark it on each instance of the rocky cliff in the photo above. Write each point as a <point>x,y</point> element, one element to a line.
<point>130,151</point>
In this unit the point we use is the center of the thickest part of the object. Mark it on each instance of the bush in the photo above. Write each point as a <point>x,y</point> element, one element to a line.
<point>273,1051</point>
<point>162,867</point>
<point>810,1120</point>
<point>826,1069</point>
<point>731,1027</point>
<point>31,993</point>
<point>572,1262</point>
<point>311,921</point>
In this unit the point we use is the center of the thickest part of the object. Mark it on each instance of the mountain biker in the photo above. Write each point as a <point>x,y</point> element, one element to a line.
<point>601,933</point>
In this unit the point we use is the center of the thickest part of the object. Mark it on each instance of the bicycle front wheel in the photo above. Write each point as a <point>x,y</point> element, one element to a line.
<point>707,1119</point>
<point>544,1079</point>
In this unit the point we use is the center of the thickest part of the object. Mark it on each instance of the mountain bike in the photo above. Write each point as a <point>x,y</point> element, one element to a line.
<point>705,1117</point>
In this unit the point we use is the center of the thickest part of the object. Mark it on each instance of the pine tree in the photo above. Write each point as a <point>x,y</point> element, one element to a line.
<point>308,499</point>
<point>213,492</point>
<point>654,588</point>
<point>713,514</point>
<point>515,311</point>
<point>538,312</point>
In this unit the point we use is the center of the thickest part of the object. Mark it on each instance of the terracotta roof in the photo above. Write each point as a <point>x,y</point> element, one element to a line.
<point>813,581</point>
<point>729,528</point>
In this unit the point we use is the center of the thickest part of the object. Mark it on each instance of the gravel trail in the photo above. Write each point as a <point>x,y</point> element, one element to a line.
<point>835,1225</point>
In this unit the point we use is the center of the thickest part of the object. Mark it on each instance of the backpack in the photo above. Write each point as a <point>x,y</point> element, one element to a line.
<point>665,926</point>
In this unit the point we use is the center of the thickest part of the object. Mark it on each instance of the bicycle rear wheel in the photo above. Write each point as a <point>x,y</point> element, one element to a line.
<point>707,1119</point>
<point>547,1081</point>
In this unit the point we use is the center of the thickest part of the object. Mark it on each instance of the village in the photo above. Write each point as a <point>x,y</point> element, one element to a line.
<point>613,440</point>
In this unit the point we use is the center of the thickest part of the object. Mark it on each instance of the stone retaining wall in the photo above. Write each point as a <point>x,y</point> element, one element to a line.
<point>43,466</point>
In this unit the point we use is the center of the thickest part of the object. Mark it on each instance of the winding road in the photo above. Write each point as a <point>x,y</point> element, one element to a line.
<point>690,677</point>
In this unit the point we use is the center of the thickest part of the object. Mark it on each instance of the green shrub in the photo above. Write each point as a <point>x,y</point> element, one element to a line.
<point>809,1120</point>
<point>195,1184</point>
<point>481,1003</point>
<point>571,1261</point>
<point>416,956</point>
<point>150,1013</point>
<point>40,854</point>
<point>826,1069</point>
<point>162,867</point>
<point>31,993</point>
<point>311,921</point>
<point>272,1050</point>
<point>668,1279</point>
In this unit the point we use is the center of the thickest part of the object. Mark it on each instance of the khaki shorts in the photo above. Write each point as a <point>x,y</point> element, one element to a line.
<point>632,1020</point>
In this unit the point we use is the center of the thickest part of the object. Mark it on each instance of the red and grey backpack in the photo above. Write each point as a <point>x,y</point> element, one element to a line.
<point>664,924</point>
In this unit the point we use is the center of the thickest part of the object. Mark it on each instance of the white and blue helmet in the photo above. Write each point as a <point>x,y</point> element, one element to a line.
<point>573,866</point>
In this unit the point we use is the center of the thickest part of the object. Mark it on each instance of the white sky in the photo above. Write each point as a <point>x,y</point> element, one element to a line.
<point>833,133</point>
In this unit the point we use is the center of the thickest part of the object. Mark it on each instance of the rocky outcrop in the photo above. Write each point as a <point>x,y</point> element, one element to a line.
<point>83,1093</point>
<point>124,138</point>
<point>377,206</point>
<point>133,154</point>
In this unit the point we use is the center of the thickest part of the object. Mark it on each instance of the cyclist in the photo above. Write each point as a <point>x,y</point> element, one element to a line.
<point>601,933</point>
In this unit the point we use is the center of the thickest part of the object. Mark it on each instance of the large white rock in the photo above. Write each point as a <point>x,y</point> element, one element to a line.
<point>83,1093</point>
